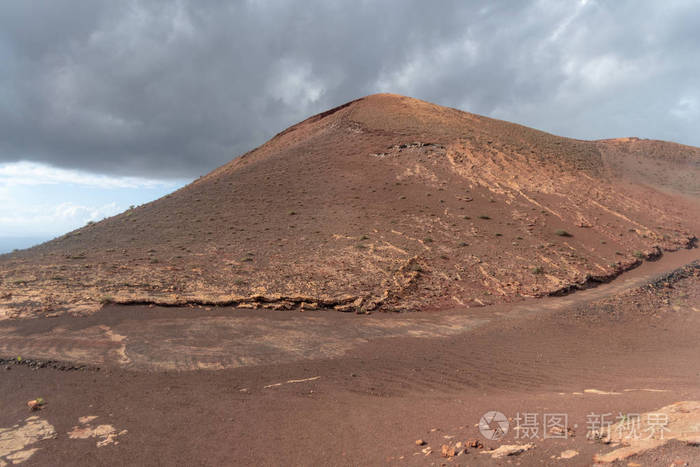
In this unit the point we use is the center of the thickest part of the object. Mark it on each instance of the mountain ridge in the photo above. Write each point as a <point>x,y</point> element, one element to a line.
<point>385,202</point>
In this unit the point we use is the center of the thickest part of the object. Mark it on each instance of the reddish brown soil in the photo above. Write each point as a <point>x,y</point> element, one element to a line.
<point>368,406</point>
<point>386,202</point>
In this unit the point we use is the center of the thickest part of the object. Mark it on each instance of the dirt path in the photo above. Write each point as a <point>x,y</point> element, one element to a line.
<point>326,388</point>
<point>159,338</point>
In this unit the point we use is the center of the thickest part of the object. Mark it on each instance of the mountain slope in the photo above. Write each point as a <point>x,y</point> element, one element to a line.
<point>385,202</point>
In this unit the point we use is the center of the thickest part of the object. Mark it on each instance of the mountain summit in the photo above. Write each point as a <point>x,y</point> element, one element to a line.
<point>386,202</point>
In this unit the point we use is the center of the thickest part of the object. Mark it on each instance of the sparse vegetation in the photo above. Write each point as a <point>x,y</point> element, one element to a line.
<point>106,299</point>
<point>202,234</point>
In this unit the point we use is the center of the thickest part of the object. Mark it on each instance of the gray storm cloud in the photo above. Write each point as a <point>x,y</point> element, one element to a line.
<point>174,89</point>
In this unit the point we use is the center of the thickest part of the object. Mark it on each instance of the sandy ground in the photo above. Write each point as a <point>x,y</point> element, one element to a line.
<point>169,386</point>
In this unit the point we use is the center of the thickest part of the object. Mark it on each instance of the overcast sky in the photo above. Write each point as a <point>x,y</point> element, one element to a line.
<point>165,91</point>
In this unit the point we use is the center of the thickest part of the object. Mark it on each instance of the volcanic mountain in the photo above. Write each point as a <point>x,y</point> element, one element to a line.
<point>386,202</point>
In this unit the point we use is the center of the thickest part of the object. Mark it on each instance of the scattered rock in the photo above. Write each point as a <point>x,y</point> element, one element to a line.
<point>105,434</point>
<point>37,364</point>
<point>561,432</point>
<point>568,454</point>
<point>420,442</point>
<point>509,450</point>
<point>448,451</point>
<point>475,443</point>
<point>36,404</point>
<point>452,450</point>
<point>14,441</point>
<point>677,421</point>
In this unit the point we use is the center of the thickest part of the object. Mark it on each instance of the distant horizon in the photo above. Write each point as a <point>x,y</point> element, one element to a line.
<point>10,244</point>
<point>38,201</point>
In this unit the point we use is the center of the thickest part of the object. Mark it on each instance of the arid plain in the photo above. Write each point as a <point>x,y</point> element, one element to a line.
<point>361,290</point>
